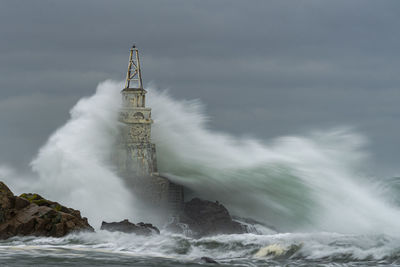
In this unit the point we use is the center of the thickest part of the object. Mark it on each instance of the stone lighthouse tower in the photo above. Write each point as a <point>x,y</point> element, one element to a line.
<point>141,153</point>
<point>136,154</point>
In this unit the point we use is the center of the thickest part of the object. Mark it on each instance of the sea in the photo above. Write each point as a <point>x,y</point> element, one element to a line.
<point>284,249</point>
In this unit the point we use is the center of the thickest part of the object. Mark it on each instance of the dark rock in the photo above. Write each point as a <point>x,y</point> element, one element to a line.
<point>31,214</point>
<point>206,218</point>
<point>128,227</point>
<point>40,201</point>
<point>208,260</point>
<point>21,203</point>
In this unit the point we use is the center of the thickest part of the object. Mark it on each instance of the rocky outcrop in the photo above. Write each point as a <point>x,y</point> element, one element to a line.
<point>128,227</point>
<point>205,218</point>
<point>31,214</point>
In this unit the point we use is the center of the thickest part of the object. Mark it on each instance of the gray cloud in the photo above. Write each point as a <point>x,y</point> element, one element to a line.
<point>271,67</point>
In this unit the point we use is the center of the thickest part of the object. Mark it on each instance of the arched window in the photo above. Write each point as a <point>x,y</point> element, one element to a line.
<point>138,115</point>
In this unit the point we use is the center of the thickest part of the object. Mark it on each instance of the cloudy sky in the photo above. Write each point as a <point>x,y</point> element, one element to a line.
<point>263,68</point>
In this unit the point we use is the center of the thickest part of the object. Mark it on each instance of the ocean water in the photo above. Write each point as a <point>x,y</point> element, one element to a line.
<point>310,190</point>
<point>119,249</point>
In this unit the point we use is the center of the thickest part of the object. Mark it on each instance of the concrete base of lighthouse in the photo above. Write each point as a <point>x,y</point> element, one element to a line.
<point>156,198</point>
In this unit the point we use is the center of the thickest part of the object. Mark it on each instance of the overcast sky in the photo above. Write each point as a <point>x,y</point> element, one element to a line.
<point>263,68</point>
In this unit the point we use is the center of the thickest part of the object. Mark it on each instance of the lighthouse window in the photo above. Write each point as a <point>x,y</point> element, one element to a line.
<point>138,115</point>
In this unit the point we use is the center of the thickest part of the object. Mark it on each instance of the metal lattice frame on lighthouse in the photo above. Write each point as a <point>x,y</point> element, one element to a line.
<point>134,72</point>
<point>136,154</point>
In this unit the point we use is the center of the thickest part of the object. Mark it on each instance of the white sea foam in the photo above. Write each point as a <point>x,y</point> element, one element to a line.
<point>329,247</point>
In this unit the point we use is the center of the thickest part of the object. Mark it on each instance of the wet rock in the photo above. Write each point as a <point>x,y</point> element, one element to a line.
<point>31,214</point>
<point>206,218</point>
<point>128,227</point>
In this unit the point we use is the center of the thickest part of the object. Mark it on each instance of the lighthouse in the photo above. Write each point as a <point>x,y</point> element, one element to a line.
<point>136,154</point>
<point>140,157</point>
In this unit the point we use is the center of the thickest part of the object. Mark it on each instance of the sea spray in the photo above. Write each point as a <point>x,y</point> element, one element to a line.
<point>294,183</point>
<point>74,166</point>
